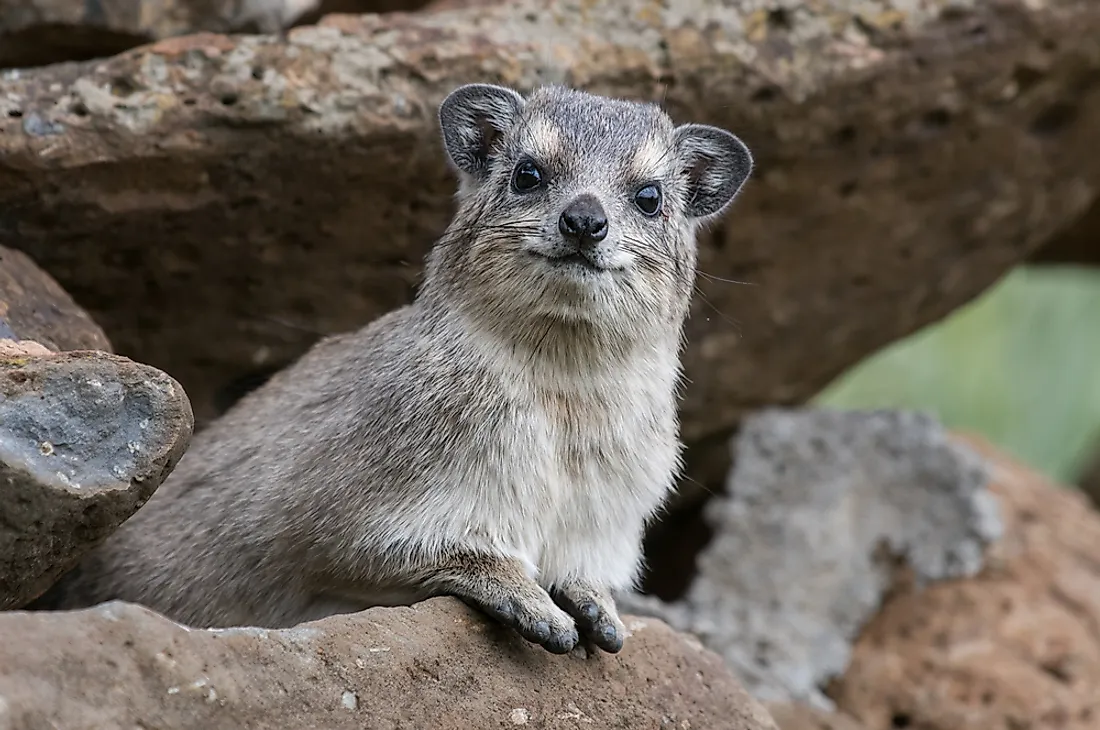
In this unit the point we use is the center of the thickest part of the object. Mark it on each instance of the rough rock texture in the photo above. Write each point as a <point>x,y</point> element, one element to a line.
<point>35,32</point>
<point>821,508</point>
<point>85,439</point>
<point>1016,647</point>
<point>435,665</point>
<point>34,307</point>
<point>219,203</point>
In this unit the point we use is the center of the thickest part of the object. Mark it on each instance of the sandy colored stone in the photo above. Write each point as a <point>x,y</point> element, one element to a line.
<point>36,32</point>
<point>85,439</point>
<point>1016,647</point>
<point>34,307</point>
<point>806,717</point>
<point>435,665</point>
<point>17,349</point>
<point>264,191</point>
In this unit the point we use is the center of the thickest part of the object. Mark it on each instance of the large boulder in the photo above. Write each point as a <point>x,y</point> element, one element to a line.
<point>34,307</point>
<point>36,32</point>
<point>266,190</point>
<point>434,665</point>
<point>85,439</point>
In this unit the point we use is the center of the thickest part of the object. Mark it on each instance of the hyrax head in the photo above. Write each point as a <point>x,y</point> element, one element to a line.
<point>582,207</point>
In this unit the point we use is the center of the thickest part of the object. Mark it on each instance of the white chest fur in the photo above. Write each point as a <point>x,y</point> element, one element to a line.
<point>569,485</point>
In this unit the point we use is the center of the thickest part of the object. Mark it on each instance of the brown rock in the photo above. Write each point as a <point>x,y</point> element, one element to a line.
<point>16,349</point>
<point>1016,647</point>
<point>1078,244</point>
<point>34,307</point>
<point>434,665</point>
<point>1089,481</point>
<point>85,439</point>
<point>263,191</point>
<point>805,717</point>
<point>37,32</point>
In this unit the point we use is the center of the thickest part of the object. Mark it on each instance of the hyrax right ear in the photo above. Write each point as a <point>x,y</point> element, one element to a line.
<point>473,119</point>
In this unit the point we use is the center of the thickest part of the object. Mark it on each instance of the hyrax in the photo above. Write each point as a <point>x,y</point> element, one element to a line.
<point>503,439</point>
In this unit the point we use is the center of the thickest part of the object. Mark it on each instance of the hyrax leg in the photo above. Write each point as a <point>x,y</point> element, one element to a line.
<point>594,610</point>
<point>500,587</point>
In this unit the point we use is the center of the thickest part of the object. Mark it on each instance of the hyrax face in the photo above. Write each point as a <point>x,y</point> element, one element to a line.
<point>581,206</point>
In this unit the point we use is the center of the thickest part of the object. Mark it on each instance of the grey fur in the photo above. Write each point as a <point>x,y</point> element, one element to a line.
<point>503,439</point>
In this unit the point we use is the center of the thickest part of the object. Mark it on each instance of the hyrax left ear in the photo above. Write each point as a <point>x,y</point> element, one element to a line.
<point>473,118</point>
<point>716,163</point>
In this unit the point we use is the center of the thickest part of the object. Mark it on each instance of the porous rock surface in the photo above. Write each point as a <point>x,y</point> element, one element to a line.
<point>36,32</point>
<point>433,665</point>
<point>265,190</point>
<point>820,509</point>
<point>34,307</point>
<point>85,439</point>
<point>1018,646</point>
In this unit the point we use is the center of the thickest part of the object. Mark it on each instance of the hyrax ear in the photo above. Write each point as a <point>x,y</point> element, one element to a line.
<point>717,165</point>
<point>473,119</point>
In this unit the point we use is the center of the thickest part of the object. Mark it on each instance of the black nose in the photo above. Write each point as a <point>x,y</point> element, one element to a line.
<point>583,220</point>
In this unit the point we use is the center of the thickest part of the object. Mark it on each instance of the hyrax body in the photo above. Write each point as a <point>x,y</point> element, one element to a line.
<point>504,439</point>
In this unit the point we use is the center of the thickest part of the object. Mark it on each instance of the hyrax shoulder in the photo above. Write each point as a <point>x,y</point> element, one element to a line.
<point>504,438</point>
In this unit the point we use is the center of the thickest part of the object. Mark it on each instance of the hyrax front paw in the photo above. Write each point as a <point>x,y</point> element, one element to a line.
<point>537,620</point>
<point>594,610</point>
<point>501,588</point>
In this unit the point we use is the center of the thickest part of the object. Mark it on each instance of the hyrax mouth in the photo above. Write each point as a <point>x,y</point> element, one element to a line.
<point>576,262</point>
<point>576,259</point>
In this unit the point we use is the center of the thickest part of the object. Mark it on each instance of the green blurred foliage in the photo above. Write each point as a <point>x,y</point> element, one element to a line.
<point>1020,365</point>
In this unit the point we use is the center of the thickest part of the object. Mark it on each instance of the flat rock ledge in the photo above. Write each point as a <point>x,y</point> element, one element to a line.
<point>435,665</point>
<point>85,439</point>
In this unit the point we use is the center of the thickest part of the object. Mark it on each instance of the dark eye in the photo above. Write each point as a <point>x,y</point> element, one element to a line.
<point>648,200</point>
<point>527,177</point>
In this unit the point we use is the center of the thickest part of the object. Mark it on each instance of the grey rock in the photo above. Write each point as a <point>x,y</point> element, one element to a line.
<point>823,508</point>
<point>85,439</point>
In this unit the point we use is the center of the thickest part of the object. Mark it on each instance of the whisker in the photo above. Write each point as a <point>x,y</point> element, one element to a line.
<point>712,277</point>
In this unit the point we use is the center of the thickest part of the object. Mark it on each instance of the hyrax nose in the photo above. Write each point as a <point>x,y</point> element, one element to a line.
<point>583,220</point>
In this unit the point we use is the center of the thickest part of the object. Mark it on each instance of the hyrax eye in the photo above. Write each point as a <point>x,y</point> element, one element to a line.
<point>527,177</point>
<point>648,200</point>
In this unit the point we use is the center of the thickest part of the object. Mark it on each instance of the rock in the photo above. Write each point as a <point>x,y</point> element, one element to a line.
<point>805,717</point>
<point>85,439</point>
<point>1089,481</point>
<point>1015,647</point>
<point>821,508</point>
<point>1078,244</point>
<point>434,665</point>
<point>908,155</point>
<point>37,32</point>
<point>34,307</point>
